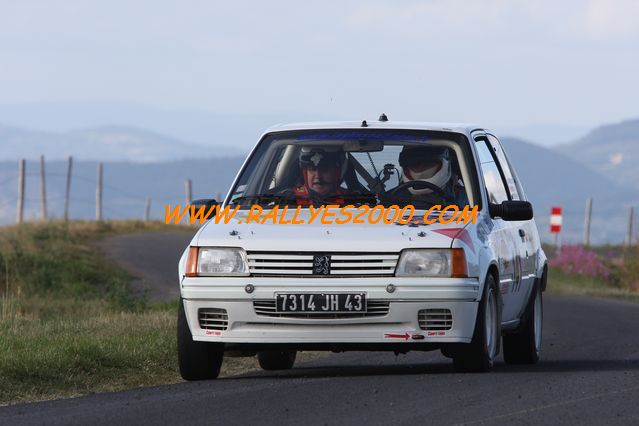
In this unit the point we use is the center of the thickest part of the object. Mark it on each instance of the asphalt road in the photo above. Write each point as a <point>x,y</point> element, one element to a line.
<point>152,258</point>
<point>589,374</point>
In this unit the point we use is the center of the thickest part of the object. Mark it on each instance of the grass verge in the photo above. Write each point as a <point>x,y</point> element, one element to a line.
<point>91,348</point>
<point>579,285</point>
<point>69,324</point>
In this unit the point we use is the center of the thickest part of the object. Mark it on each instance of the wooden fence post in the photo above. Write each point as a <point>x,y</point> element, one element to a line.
<point>20,210</point>
<point>98,195</point>
<point>43,190</point>
<point>587,222</point>
<point>67,191</point>
<point>188,187</point>
<point>147,209</point>
<point>631,219</point>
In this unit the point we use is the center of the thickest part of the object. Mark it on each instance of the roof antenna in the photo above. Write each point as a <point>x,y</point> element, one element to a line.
<point>383,117</point>
<point>364,123</point>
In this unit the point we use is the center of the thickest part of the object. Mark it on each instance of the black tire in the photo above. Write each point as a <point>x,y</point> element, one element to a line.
<point>479,355</point>
<point>197,360</point>
<point>524,346</point>
<point>276,360</point>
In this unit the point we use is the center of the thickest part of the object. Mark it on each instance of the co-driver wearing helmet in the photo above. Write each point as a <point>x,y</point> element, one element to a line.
<point>431,164</point>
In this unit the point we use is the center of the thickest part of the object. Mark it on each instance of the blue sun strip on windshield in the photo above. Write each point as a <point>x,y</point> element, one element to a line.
<point>387,136</point>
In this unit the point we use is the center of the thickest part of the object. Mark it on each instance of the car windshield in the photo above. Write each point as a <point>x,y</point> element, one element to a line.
<point>355,167</point>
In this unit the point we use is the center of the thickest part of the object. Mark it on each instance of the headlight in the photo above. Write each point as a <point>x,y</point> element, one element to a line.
<point>221,261</point>
<point>432,263</point>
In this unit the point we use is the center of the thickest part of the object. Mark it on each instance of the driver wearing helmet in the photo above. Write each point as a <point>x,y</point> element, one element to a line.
<point>323,170</point>
<point>431,165</point>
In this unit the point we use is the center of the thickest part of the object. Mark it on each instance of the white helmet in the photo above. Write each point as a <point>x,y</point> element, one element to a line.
<point>425,163</point>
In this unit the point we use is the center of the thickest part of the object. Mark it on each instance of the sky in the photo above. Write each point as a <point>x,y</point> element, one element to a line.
<point>571,64</point>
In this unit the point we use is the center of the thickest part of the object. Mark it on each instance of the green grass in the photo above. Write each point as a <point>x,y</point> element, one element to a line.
<point>69,324</point>
<point>91,348</point>
<point>572,284</point>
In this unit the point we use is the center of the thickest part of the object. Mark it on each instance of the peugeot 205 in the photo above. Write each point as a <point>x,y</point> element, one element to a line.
<point>407,276</point>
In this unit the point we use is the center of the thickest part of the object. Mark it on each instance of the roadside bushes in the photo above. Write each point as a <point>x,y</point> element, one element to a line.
<point>629,273</point>
<point>580,261</point>
<point>612,266</point>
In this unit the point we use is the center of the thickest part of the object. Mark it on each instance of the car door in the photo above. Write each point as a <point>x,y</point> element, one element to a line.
<point>501,238</point>
<point>525,231</point>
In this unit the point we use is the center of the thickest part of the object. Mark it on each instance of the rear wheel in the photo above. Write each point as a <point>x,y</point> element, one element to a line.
<point>479,355</point>
<point>276,360</point>
<point>197,360</point>
<point>524,346</point>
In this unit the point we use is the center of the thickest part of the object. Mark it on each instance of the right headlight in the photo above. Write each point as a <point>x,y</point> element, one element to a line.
<point>432,263</point>
<point>216,261</point>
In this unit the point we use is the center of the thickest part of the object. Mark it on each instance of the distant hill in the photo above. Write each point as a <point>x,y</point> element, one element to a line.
<point>612,150</point>
<point>554,179</point>
<point>107,143</point>
<point>237,129</point>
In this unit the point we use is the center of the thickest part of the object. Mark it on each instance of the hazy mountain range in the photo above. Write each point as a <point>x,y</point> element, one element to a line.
<point>612,150</point>
<point>237,129</point>
<point>598,165</point>
<point>551,178</point>
<point>192,125</point>
<point>107,143</point>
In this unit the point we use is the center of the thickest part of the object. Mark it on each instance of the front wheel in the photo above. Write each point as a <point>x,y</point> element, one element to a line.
<point>197,360</point>
<point>524,346</point>
<point>276,360</point>
<point>479,355</point>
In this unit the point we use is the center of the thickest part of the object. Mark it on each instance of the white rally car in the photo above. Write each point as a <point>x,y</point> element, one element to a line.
<point>272,289</point>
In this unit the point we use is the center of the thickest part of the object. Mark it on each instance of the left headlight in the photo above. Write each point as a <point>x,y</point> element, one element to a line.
<point>216,261</point>
<point>432,263</point>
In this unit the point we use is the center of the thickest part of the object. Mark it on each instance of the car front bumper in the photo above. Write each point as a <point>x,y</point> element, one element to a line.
<point>399,325</point>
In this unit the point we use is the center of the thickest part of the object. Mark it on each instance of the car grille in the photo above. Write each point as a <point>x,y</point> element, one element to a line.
<point>374,308</point>
<point>268,263</point>
<point>435,319</point>
<point>213,318</point>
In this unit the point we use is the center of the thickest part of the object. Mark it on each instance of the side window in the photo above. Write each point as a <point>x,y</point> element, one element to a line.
<point>505,167</point>
<point>492,176</point>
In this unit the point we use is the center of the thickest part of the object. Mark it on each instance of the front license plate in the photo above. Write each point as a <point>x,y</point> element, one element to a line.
<point>321,302</point>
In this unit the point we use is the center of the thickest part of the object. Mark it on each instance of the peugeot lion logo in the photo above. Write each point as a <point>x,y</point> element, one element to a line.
<point>321,265</point>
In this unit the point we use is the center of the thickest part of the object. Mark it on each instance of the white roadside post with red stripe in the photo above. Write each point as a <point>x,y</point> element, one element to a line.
<point>555,223</point>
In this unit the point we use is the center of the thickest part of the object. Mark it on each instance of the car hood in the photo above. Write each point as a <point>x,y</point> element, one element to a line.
<point>321,237</point>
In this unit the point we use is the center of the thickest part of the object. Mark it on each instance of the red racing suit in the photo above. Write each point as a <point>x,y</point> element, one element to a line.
<point>301,194</point>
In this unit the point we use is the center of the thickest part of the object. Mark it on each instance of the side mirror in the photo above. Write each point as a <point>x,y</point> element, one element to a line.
<point>206,202</point>
<point>512,210</point>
